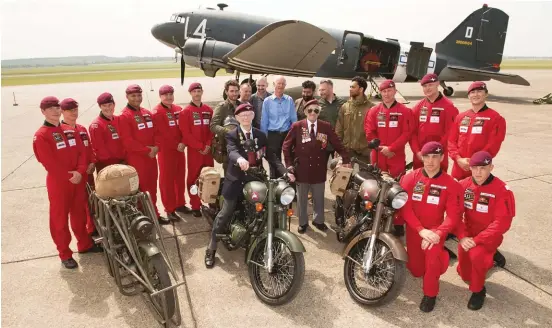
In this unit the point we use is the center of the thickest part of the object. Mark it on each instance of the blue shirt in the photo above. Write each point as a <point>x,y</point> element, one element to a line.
<point>278,114</point>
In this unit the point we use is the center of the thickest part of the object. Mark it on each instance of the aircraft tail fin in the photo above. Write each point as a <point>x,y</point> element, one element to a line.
<point>478,42</point>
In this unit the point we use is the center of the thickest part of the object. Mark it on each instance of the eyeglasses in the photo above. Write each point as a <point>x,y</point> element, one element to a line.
<point>316,110</point>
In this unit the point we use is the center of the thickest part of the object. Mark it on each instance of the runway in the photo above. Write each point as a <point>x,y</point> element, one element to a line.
<point>38,292</point>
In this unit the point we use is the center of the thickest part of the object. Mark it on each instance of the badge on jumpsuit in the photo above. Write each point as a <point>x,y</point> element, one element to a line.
<point>468,198</point>
<point>418,191</point>
<point>381,120</point>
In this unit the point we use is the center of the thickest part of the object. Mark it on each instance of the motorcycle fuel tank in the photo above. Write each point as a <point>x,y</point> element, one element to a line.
<point>255,192</point>
<point>369,190</point>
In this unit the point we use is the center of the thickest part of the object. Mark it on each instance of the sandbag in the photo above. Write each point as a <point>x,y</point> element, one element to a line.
<point>117,180</point>
<point>209,182</point>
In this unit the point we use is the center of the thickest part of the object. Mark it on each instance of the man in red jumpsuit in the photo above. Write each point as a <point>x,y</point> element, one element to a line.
<point>390,122</point>
<point>70,111</point>
<point>57,148</point>
<point>104,134</point>
<point>194,123</point>
<point>478,128</point>
<point>172,160</point>
<point>137,134</point>
<point>432,119</point>
<point>489,207</point>
<point>432,194</point>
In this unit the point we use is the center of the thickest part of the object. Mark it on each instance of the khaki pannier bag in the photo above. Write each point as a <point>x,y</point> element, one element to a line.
<point>117,180</point>
<point>209,183</point>
<point>339,180</point>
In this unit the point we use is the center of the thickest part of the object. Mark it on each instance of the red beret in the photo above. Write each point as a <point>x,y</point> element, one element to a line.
<point>481,158</point>
<point>166,89</point>
<point>386,85</point>
<point>478,85</point>
<point>311,102</point>
<point>48,102</point>
<point>243,108</point>
<point>193,86</point>
<point>105,98</point>
<point>133,88</point>
<point>69,103</point>
<point>432,147</point>
<point>428,78</point>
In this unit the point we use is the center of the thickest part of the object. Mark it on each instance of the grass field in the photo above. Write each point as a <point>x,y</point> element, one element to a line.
<point>152,70</point>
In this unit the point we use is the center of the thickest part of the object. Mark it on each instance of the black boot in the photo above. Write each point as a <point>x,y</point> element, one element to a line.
<point>70,263</point>
<point>477,299</point>
<point>428,303</point>
<point>499,259</point>
<point>184,210</point>
<point>210,258</point>
<point>173,216</point>
<point>451,254</point>
<point>197,213</point>
<point>163,220</point>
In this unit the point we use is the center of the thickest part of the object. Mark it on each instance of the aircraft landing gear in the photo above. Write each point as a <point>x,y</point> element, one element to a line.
<point>447,91</point>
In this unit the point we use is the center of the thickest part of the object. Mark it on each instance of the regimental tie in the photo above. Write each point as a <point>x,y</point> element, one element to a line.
<point>251,158</point>
<point>312,134</point>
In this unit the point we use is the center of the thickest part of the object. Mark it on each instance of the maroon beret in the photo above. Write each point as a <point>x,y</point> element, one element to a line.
<point>386,85</point>
<point>428,78</point>
<point>133,88</point>
<point>105,98</point>
<point>166,89</point>
<point>48,102</point>
<point>193,86</point>
<point>243,108</point>
<point>432,147</point>
<point>477,85</point>
<point>481,158</point>
<point>69,103</point>
<point>311,102</point>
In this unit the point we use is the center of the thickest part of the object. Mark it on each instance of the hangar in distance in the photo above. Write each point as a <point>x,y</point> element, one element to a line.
<point>213,39</point>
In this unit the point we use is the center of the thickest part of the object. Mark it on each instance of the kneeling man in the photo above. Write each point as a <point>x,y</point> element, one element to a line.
<point>432,193</point>
<point>489,207</point>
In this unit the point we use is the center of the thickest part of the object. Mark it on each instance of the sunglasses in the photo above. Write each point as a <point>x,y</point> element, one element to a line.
<point>316,110</point>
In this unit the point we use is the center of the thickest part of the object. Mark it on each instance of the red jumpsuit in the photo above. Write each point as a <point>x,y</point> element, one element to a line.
<point>59,151</point>
<point>429,200</point>
<point>473,132</point>
<point>432,122</point>
<point>137,134</point>
<point>172,163</point>
<point>106,141</point>
<point>194,124</point>
<point>393,127</point>
<point>488,213</point>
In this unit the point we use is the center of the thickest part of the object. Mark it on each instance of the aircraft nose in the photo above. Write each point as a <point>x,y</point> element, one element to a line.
<point>166,33</point>
<point>157,31</point>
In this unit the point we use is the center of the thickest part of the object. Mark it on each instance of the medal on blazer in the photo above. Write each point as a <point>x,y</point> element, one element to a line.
<point>323,138</point>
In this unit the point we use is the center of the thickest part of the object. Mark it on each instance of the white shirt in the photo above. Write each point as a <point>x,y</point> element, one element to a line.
<point>245,132</point>
<point>309,123</point>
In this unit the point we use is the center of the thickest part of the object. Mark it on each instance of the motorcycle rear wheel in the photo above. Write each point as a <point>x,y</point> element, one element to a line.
<point>390,268</point>
<point>286,263</point>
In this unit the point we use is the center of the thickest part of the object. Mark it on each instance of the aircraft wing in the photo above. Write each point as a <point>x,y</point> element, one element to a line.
<point>288,47</point>
<point>464,73</point>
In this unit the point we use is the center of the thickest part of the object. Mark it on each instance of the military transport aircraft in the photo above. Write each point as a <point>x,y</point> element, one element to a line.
<point>213,39</point>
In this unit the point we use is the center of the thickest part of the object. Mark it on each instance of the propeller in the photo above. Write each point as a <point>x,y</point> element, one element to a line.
<point>182,62</point>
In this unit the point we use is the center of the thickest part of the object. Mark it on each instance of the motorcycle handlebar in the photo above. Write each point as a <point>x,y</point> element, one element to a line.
<point>362,164</point>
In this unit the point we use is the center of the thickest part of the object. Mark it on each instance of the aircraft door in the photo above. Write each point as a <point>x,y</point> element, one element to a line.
<point>418,60</point>
<point>350,51</point>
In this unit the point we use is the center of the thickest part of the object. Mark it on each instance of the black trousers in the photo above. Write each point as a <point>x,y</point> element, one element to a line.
<point>221,220</point>
<point>275,142</point>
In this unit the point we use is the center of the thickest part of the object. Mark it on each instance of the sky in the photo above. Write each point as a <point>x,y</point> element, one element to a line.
<point>58,28</point>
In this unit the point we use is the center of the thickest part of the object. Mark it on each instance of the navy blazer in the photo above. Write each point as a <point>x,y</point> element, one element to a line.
<point>234,177</point>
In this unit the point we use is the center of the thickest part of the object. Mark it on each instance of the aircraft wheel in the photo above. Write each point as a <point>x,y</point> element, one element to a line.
<point>448,91</point>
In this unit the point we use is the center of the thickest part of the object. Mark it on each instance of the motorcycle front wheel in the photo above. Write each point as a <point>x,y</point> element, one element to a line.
<point>288,273</point>
<point>158,273</point>
<point>384,281</point>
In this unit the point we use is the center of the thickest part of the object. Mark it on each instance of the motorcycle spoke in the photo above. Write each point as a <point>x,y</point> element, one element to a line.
<point>278,282</point>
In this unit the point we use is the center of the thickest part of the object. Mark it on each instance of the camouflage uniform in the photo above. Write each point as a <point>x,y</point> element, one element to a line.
<point>350,127</point>
<point>222,111</point>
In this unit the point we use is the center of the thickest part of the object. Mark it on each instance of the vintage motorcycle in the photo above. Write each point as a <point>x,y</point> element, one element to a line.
<point>260,225</point>
<point>375,260</point>
<point>134,251</point>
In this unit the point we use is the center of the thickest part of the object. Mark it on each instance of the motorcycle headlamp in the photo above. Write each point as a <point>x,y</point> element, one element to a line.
<point>397,196</point>
<point>285,194</point>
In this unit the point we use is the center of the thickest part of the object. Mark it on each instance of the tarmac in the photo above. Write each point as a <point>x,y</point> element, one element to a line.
<point>38,292</point>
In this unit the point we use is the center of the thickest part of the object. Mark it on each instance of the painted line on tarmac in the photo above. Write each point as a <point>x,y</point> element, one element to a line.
<point>30,259</point>
<point>188,295</point>
<point>527,281</point>
<point>26,188</point>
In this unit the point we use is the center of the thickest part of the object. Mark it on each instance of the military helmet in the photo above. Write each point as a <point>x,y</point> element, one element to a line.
<point>230,120</point>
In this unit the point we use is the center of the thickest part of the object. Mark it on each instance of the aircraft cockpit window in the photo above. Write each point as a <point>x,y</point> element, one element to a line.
<point>179,19</point>
<point>173,18</point>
